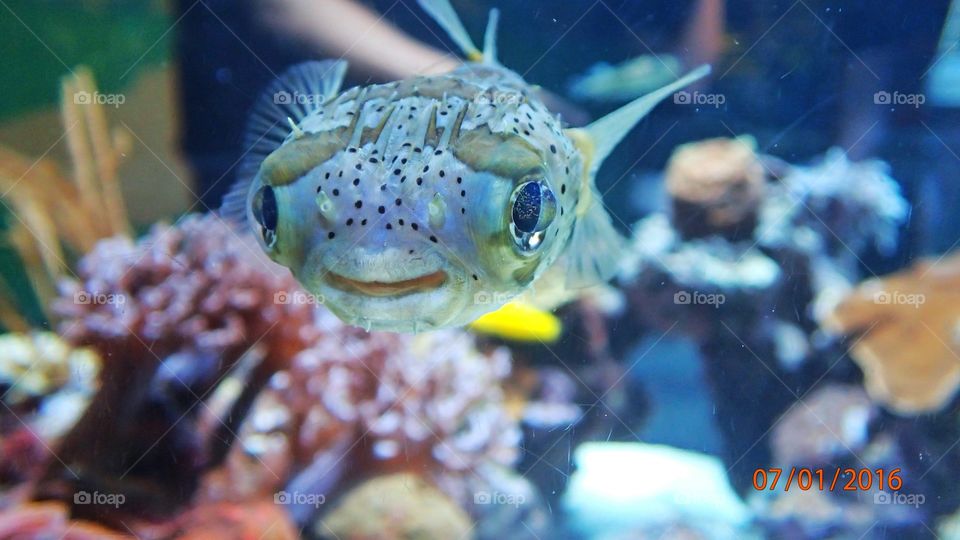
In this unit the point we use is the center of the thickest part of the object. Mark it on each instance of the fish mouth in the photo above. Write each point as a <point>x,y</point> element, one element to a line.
<point>419,284</point>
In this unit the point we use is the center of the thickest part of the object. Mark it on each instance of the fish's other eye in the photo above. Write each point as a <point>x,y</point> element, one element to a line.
<point>532,209</point>
<point>264,206</point>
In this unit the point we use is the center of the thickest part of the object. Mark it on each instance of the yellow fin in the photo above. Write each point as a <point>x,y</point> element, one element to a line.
<point>517,321</point>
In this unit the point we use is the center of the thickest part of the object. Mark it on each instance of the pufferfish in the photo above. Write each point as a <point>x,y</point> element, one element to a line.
<point>426,203</point>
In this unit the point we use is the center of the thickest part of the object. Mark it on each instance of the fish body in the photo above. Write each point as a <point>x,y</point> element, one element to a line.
<point>423,203</point>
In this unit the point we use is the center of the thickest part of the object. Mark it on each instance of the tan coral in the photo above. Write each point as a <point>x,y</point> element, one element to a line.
<point>396,507</point>
<point>909,349</point>
<point>721,178</point>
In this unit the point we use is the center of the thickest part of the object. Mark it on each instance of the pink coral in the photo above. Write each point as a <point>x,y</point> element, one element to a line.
<point>430,401</point>
<point>196,285</point>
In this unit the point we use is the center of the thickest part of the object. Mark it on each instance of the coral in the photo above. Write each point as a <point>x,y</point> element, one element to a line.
<point>172,314</point>
<point>751,296</point>
<point>908,342</point>
<point>395,507</point>
<point>837,207</point>
<point>40,364</point>
<point>45,385</point>
<point>197,286</point>
<point>831,421</point>
<point>50,520</point>
<point>716,185</point>
<point>429,402</point>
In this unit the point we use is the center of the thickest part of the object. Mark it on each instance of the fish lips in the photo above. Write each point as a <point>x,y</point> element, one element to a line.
<point>394,293</point>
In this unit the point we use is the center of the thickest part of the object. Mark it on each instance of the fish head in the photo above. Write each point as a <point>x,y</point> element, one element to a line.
<point>419,240</point>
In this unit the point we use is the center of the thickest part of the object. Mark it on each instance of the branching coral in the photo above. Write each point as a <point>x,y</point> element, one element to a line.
<point>429,403</point>
<point>172,314</point>
<point>909,344</point>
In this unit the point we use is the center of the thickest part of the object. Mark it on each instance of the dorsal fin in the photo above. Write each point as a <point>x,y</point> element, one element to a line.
<point>595,245</point>
<point>300,91</point>
<point>608,131</point>
<point>443,13</point>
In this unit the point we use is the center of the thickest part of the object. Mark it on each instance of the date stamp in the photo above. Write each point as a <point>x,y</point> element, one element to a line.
<point>842,479</point>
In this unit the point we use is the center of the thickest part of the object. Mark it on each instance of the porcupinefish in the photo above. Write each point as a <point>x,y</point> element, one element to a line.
<point>428,202</point>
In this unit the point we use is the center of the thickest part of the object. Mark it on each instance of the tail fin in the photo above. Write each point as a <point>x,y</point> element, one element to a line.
<point>442,12</point>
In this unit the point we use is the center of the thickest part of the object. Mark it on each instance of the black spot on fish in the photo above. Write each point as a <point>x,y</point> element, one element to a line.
<point>553,149</point>
<point>463,193</point>
<point>566,170</point>
<point>563,188</point>
<point>414,226</point>
<point>340,174</point>
<point>442,174</point>
<point>373,160</point>
<point>475,278</point>
<point>349,222</point>
<point>358,204</point>
<point>352,150</point>
<point>398,202</point>
<point>463,210</point>
<point>426,168</point>
<point>419,181</point>
<point>410,252</point>
<point>336,192</point>
<point>400,221</point>
<point>438,152</point>
<point>397,172</point>
<point>326,176</point>
<point>403,161</point>
<point>356,181</point>
<point>319,189</point>
<point>331,235</point>
<point>363,222</point>
<point>381,209</point>
<point>389,227</point>
<point>403,179</point>
<point>358,167</point>
<point>433,239</point>
<point>459,179</point>
<point>383,187</point>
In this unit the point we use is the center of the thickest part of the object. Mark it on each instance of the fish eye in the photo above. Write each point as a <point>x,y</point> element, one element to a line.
<point>264,206</point>
<point>532,209</point>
